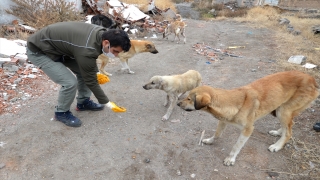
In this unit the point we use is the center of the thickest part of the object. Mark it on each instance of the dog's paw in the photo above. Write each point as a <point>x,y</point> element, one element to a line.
<point>131,72</point>
<point>208,140</point>
<point>274,148</point>
<point>165,118</point>
<point>229,161</point>
<point>106,73</point>
<point>274,133</point>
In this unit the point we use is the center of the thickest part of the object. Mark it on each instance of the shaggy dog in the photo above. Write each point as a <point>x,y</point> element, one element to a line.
<point>137,46</point>
<point>283,94</point>
<point>174,86</point>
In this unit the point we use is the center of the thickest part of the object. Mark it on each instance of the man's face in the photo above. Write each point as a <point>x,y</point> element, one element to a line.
<point>114,50</point>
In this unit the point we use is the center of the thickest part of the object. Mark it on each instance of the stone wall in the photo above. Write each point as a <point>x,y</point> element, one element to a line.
<point>309,4</point>
<point>304,4</point>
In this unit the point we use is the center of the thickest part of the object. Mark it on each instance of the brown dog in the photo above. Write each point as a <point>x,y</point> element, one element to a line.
<point>174,86</point>
<point>177,27</point>
<point>283,94</point>
<point>137,46</point>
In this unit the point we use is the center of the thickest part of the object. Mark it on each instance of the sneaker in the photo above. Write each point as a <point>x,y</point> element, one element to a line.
<point>89,105</point>
<point>68,119</point>
<point>316,127</point>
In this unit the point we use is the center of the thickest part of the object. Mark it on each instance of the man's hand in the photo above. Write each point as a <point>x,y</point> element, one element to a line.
<point>115,108</point>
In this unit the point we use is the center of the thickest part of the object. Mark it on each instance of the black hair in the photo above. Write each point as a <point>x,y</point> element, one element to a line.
<point>117,37</point>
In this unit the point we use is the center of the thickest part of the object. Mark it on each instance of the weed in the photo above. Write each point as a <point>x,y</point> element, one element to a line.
<point>40,13</point>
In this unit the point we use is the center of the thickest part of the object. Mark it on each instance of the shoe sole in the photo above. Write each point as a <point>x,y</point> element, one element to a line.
<point>77,109</point>
<point>78,125</point>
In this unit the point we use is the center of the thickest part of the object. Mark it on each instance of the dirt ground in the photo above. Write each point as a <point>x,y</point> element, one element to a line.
<point>137,144</point>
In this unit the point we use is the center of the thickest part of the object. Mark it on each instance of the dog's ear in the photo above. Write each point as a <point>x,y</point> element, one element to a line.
<point>201,101</point>
<point>162,84</point>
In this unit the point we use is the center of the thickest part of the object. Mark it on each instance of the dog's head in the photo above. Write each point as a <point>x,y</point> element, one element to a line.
<point>156,82</point>
<point>150,47</point>
<point>196,100</point>
<point>144,46</point>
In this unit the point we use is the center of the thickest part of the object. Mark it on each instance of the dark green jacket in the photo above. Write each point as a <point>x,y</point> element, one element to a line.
<point>77,41</point>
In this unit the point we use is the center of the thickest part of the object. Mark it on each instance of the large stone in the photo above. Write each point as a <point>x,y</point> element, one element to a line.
<point>284,21</point>
<point>298,59</point>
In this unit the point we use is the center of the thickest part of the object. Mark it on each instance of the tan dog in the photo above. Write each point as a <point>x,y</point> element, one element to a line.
<point>137,46</point>
<point>283,94</point>
<point>174,86</point>
<point>177,27</point>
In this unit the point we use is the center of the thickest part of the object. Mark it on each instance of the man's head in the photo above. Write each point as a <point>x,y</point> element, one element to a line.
<point>116,40</point>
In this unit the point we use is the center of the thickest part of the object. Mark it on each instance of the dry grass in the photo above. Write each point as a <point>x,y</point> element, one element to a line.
<point>287,45</point>
<point>40,13</point>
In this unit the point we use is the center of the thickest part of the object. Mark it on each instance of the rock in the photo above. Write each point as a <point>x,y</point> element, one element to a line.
<point>298,59</point>
<point>9,67</point>
<point>17,81</point>
<point>273,174</point>
<point>178,172</point>
<point>283,21</point>
<point>2,165</point>
<point>296,32</point>
<point>31,76</point>
<point>316,29</point>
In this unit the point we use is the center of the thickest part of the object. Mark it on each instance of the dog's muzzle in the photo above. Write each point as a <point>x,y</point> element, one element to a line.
<point>154,52</point>
<point>145,87</point>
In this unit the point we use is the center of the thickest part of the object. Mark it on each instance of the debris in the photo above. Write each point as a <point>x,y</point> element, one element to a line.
<point>193,175</point>
<point>272,174</point>
<point>2,144</point>
<point>211,53</point>
<point>216,170</point>
<point>129,17</point>
<point>298,59</point>
<point>175,121</point>
<point>147,160</point>
<point>2,165</point>
<point>235,47</point>
<point>309,66</point>
<point>179,172</point>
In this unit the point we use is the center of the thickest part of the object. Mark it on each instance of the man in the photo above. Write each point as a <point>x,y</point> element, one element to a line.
<point>75,46</point>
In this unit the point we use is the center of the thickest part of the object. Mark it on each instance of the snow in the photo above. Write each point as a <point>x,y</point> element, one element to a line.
<point>9,48</point>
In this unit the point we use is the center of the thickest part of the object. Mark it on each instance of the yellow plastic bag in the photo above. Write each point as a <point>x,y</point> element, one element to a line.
<point>102,79</point>
<point>116,108</point>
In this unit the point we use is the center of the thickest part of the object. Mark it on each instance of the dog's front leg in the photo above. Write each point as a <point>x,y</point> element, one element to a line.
<point>173,99</point>
<point>166,102</point>
<point>244,136</point>
<point>104,62</point>
<point>125,66</point>
<point>220,128</point>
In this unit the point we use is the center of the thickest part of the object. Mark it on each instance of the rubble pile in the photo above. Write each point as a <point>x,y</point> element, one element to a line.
<point>19,79</point>
<point>129,18</point>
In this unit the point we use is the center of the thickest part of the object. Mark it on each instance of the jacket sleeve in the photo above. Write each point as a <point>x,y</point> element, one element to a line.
<point>88,69</point>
